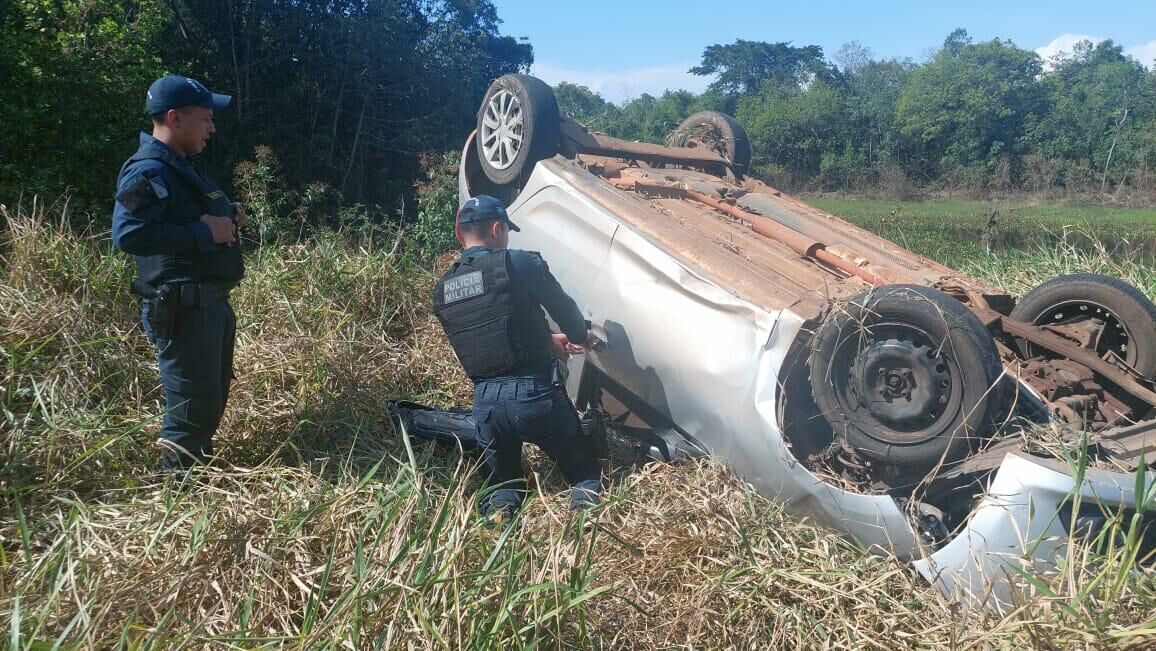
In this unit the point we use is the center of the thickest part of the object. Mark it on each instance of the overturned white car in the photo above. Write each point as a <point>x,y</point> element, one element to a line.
<point>867,387</point>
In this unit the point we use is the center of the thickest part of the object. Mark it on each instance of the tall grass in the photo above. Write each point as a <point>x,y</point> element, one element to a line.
<point>320,527</point>
<point>958,232</point>
<point>1077,250</point>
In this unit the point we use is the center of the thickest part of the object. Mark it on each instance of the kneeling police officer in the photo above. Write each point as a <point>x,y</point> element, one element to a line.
<point>182,230</point>
<point>490,304</point>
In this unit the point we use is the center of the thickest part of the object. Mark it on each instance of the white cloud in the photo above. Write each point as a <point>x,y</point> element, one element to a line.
<point>1145,54</point>
<point>1064,43</point>
<point>623,85</point>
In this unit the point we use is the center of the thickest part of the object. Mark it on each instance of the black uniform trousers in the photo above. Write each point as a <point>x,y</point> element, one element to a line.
<point>517,410</point>
<point>196,366</point>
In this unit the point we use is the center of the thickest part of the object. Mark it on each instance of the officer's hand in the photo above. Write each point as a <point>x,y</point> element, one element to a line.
<point>239,214</point>
<point>563,349</point>
<point>559,342</point>
<point>591,340</point>
<point>224,232</point>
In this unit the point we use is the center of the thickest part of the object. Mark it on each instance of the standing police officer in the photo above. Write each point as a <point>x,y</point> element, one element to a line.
<point>182,230</point>
<point>490,305</point>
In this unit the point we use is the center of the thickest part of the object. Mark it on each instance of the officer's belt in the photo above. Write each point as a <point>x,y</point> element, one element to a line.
<point>187,294</point>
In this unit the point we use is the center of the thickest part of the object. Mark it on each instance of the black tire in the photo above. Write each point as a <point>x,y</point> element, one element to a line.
<point>1123,315</point>
<point>906,375</point>
<point>518,125</point>
<point>718,132</point>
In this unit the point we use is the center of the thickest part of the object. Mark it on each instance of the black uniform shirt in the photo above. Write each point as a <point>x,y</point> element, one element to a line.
<point>159,202</point>
<point>531,270</point>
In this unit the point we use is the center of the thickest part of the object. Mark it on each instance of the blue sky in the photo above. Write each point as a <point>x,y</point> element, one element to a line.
<point>625,48</point>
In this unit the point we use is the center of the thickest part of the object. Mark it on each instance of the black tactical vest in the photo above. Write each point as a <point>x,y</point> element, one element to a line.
<point>496,329</point>
<point>197,196</point>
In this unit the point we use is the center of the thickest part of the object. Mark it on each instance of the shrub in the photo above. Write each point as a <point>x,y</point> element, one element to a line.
<point>432,233</point>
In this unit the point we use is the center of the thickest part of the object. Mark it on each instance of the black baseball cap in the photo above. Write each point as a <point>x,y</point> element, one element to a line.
<point>484,208</point>
<point>174,92</point>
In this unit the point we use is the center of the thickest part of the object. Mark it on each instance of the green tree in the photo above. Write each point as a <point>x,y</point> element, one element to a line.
<point>72,74</point>
<point>874,89</point>
<point>746,67</point>
<point>652,119</point>
<point>346,93</point>
<point>585,106</point>
<point>971,104</point>
<point>1101,103</point>
<point>803,133</point>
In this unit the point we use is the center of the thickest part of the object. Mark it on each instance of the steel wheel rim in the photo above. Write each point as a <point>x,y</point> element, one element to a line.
<point>502,130</point>
<point>1114,335</point>
<point>869,383</point>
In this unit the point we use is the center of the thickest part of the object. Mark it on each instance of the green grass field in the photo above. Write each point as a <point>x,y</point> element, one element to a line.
<point>321,528</point>
<point>956,232</point>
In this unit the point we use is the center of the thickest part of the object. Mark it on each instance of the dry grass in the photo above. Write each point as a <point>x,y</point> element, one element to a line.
<point>322,529</point>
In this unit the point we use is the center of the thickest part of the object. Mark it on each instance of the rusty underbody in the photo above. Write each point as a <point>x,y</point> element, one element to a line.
<point>781,253</point>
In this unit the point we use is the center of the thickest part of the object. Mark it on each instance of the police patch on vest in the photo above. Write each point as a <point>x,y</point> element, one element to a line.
<point>463,287</point>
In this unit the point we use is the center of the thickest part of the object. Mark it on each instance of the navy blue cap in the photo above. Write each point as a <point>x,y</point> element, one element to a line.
<point>174,92</point>
<point>484,208</point>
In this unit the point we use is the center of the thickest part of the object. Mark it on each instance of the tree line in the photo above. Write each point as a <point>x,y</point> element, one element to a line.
<point>338,104</point>
<point>333,100</point>
<point>981,118</point>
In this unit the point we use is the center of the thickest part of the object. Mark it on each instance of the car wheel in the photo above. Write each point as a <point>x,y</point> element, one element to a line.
<point>716,131</point>
<point>907,376</point>
<point>1097,312</point>
<point>518,125</point>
